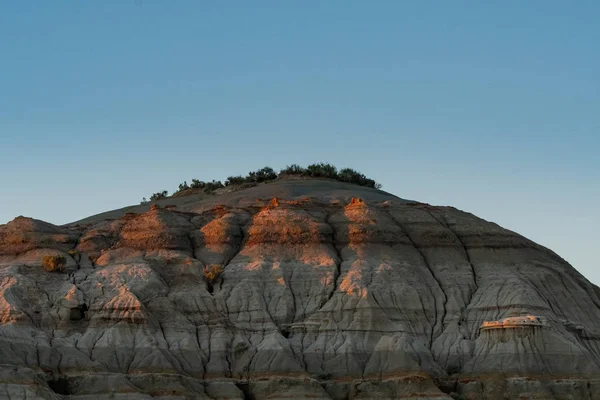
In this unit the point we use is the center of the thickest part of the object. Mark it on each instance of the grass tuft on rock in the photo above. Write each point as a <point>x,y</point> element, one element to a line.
<point>54,263</point>
<point>212,272</point>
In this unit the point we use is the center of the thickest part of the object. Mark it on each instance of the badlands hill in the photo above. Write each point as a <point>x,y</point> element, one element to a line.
<point>319,289</point>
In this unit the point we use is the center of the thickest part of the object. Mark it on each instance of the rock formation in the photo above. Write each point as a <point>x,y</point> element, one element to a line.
<point>322,290</point>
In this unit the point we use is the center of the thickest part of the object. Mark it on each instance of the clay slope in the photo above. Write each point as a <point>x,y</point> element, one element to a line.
<point>321,296</point>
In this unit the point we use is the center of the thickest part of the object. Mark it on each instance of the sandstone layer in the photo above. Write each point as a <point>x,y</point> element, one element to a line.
<point>327,291</point>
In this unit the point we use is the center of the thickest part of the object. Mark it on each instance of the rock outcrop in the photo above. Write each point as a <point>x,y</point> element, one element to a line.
<point>324,290</point>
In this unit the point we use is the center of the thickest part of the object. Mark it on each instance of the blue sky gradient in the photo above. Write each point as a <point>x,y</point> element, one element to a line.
<point>492,107</point>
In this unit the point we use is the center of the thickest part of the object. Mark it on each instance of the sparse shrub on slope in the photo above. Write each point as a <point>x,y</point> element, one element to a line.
<point>182,186</point>
<point>54,263</point>
<point>159,195</point>
<point>212,186</point>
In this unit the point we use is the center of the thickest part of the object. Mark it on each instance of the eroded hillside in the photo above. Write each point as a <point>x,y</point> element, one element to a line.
<point>325,290</point>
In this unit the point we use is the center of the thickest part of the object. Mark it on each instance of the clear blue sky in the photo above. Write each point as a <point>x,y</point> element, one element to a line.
<point>492,107</point>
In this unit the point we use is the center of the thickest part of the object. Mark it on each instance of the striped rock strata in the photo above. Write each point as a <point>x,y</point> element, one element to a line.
<point>321,296</point>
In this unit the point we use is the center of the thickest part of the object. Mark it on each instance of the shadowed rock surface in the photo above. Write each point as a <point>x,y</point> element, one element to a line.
<point>327,291</point>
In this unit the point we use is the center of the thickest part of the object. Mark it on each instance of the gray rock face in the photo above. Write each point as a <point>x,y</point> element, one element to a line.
<point>320,296</point>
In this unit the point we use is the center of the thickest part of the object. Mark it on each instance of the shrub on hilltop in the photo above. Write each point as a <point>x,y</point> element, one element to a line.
<point>182,186</point>
<point>261,175</point>
<point>208,187</point>
<point>266,174</point>
<point>351,176</point>
<point>322,170</point>
<point>235,180</point>
<point>159,195</point>
<point>196,184</point>
<point>212,186</point>
<point>293,169</point>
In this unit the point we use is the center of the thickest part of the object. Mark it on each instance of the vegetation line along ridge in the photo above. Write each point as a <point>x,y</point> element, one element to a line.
<point>266,174</point>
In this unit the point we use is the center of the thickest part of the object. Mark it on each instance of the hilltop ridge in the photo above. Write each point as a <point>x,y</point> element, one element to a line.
<point>321,189</point>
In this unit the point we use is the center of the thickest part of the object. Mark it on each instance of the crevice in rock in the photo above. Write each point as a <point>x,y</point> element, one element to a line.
<point>356,391</point>
<point>245,389</point>
<point>205,362</point>
<point>447,385</point>
<point>302,353</point>
<point>445,224</point>
<point>288,283</point>
<point>59,386</point>
<point>338,264</point>
<point>432,272</point>
<point>162,331</point>
<point>78,313</point>
<point>228,356</point>
<point>132,383</point>
<point>192,247</point>
<point>244,234</point>
<point>239,243</point>
<point>533,284</point>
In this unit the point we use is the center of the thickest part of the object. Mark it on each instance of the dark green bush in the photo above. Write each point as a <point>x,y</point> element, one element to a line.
<point>262,175</point>
<point>182,186</point>
<point>351,176</point>
<point>212,186</point>
<point>159,195</point>
<point>235,180</point>
<point>196,184</point>
<point>293,169</point>
<point>322,170</point>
